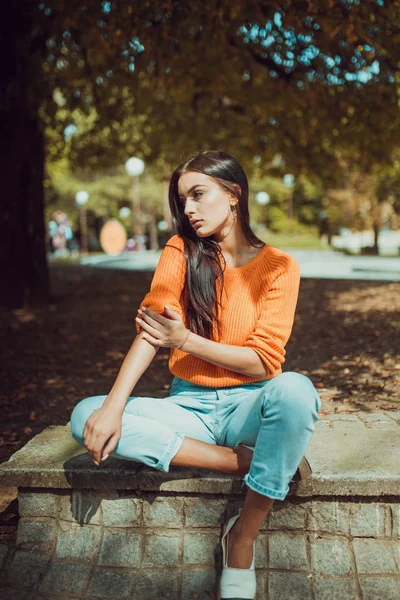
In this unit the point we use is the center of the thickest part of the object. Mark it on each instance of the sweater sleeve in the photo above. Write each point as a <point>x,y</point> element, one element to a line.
<point>168,280</point>
<point>275,322</point>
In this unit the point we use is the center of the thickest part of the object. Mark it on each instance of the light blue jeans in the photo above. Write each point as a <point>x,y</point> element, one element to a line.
<point>276,416</point>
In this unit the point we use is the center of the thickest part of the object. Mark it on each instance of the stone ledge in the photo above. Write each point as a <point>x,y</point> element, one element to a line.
<point>126,531</point>
<point>345,462</point>
<point>167,547</point>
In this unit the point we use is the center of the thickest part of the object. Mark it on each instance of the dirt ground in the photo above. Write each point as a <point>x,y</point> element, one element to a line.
<point>345,338</point>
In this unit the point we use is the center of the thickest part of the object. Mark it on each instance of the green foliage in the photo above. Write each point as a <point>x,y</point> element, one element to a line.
<point>307,199</point>
<point>277,218</point>
<point>108,192</point>
<point>294,78</point>
<point>388,184</point>
<point>290,80</point>
<point>307,239</point>
<point>110,189</point>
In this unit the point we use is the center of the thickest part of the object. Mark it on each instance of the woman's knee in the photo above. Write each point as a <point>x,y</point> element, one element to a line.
<point>294,395</point>
<point>81,413</point>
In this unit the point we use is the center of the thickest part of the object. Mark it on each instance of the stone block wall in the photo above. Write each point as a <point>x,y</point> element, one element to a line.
<point>121,545</point>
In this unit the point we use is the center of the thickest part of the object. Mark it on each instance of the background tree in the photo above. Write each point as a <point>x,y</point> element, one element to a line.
<point>161,79</point>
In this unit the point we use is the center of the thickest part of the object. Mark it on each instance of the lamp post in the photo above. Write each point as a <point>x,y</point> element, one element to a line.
<point>263,198</point>
<point>134,167</point>
<point>288,181</point>
<point>81,198</point>
<point>166,209</point>
<point>124,212</point>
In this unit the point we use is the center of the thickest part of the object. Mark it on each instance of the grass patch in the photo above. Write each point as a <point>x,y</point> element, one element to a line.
<point>294,240</point>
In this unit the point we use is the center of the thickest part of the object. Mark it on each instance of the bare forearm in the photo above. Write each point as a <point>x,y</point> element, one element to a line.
<point>137,360</point>
<point>235,358</point>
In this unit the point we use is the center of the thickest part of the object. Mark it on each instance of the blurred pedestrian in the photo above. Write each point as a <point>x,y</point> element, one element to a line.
<point>60,234</point>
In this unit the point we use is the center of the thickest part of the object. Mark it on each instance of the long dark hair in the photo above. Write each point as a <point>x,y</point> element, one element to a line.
<point>203,255</point>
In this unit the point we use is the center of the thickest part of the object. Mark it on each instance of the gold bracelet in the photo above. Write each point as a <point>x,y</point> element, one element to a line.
<point>184,341</point>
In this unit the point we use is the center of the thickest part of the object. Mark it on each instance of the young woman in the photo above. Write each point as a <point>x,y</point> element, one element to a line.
<point>224,303</point>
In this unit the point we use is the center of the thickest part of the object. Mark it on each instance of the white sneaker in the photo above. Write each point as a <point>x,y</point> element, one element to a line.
<point>236,584</point>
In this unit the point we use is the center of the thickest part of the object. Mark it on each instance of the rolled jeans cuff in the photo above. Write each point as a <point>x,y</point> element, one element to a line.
<point>270,493</point>
<point>169,453</point>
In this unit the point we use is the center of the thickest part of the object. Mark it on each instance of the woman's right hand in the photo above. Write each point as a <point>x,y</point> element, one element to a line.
<point>103,425</point>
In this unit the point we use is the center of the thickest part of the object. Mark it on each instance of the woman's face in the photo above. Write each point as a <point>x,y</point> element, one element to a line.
<point>203,200</point>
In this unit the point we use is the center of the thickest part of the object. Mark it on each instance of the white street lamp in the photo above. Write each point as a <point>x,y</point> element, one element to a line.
<point>162,225</point>
<point>288,181</point>
<point>134,167</point>
<point>81,198</point>
<point>263,198</point>
<point>124,212</point>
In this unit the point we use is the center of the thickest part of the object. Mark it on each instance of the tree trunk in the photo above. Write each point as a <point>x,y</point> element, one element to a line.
<point>376,235</point>
<point>23,266</point>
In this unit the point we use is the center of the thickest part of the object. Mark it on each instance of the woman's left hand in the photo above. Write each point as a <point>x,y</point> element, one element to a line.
<point>162,332</point>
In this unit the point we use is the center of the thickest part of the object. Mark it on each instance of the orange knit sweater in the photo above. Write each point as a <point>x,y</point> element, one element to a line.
<point>258,307</point>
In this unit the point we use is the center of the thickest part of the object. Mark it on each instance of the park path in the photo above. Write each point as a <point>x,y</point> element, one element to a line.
<point>324,264</point>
